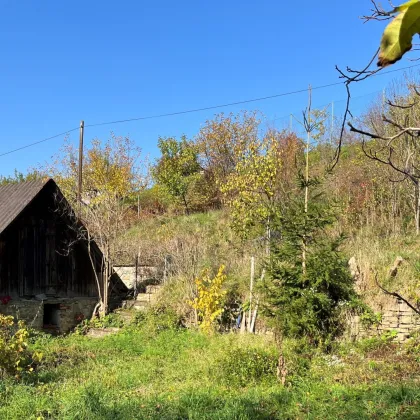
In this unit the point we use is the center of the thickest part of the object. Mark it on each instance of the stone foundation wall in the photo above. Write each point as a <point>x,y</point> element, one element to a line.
<point>128,274</point>
<point>396,315</point>
<point>69,312</point>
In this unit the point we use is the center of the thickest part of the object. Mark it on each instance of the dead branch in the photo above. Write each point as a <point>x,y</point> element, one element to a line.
<point>396,295</point>
<point>408,106</point>
<point>378,13</point>
<point>374,156</point>
<point>413,131</point>
<point>415,88</point>
<point>351,76</point>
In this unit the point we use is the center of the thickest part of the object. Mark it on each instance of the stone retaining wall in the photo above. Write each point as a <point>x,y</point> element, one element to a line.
<point>128,274</point>
<point>69,312</point>
<point>396,316</point>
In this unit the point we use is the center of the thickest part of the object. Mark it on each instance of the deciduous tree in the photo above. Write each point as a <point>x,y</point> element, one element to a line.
<point>178,169</point>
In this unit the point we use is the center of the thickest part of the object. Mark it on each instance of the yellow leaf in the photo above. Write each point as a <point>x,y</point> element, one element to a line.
<point>398,35</point>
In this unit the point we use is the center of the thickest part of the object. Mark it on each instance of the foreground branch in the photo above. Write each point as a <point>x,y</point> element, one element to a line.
<point>413,131</point>
<point>351,76</point>
<point>397,295</point>
<point>378,13</point>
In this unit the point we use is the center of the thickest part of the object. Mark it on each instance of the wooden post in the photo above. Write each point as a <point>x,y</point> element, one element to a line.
<point>251,288</point>
<point>80,169</point>
<point>254,316</point>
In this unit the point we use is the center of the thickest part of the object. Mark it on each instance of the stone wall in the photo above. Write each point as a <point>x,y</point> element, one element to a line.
<point>128,274</point>
<point>66,313</point>
<point>396,316</point>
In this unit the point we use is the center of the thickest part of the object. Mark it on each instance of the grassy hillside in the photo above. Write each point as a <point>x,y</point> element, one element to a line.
<point>155,369</point>
<point>158,371</point>
<point>206,240</point>
<point>376,255</point>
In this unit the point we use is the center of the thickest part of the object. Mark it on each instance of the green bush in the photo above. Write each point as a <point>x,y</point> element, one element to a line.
<point>111,320</point>
<point>412,346</point>
<point>368,318</point>
<point>158,319</point>
<point>245,366</point>
<point>373,343</point>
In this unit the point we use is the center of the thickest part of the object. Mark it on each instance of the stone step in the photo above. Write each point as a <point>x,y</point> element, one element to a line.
<point>146,297</point>
<point>126,315</point>
<point>136,305</point>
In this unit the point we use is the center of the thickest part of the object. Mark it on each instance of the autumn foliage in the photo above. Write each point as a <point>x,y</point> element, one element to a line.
<point>209,300</point>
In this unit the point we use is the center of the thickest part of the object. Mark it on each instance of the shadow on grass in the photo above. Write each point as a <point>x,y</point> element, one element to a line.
<point>397,402</point>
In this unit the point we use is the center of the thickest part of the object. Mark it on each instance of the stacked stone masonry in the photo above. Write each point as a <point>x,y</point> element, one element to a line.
<point>65,313</point>
<point>396,316</point>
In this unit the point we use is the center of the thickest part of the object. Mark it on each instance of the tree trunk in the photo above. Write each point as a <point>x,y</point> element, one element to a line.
<point>106,279</point>
<point>268,237</point>
<point>187,210</point>
<point>254,318</point>
<point>308,141</point>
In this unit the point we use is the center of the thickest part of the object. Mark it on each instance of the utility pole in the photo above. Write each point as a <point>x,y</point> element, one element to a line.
<point>80,169</point>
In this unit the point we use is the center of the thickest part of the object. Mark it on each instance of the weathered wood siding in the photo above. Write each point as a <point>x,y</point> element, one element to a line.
<point>35,257</point>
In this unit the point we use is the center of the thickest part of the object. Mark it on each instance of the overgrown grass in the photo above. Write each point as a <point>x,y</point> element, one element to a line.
<point>376,255</point>
<point>206,240</point>
<point>159,371</point>
<point>194,243</point>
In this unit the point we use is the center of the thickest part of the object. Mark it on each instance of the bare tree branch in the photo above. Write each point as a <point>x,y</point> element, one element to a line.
<point>378,13</point>
<point>397,295</point>
<point>352,76</point>
<point>395,105</point>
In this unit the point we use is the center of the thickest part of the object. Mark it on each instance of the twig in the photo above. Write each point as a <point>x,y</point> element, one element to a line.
<point>397,295</point>
<point>401,106</point>
<point>378,13</point>
<point>350,77</point>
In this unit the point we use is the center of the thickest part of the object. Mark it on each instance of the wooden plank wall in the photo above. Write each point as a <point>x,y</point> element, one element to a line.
<point>35,257</point>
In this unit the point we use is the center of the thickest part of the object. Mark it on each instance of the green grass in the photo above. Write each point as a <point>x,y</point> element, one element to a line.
<point>156,372</point>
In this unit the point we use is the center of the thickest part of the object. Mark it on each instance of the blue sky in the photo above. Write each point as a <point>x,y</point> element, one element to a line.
<point>63,61</point>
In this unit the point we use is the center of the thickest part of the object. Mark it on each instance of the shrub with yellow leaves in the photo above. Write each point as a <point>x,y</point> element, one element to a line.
<point>209,300</point>
<point>14,355</point>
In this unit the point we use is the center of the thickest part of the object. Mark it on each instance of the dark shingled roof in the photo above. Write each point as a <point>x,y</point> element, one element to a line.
<point>15,197</point>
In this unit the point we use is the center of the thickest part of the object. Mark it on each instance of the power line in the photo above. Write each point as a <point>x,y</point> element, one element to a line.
<point>335,101</point>
<point>38,142</point>
<point>264,98</point>
<point>189,111</point>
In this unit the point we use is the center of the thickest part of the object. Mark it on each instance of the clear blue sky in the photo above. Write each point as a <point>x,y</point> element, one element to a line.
<point>63,61</point>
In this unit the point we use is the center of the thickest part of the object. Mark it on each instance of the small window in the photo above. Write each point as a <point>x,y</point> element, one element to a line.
<point>51,315</point>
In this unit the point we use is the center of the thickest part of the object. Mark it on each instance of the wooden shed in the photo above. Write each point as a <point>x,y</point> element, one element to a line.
<point>43,280</point>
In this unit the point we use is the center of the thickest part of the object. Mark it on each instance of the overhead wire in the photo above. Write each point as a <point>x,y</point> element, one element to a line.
<point>38,142</point>
<point>264,98</point>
